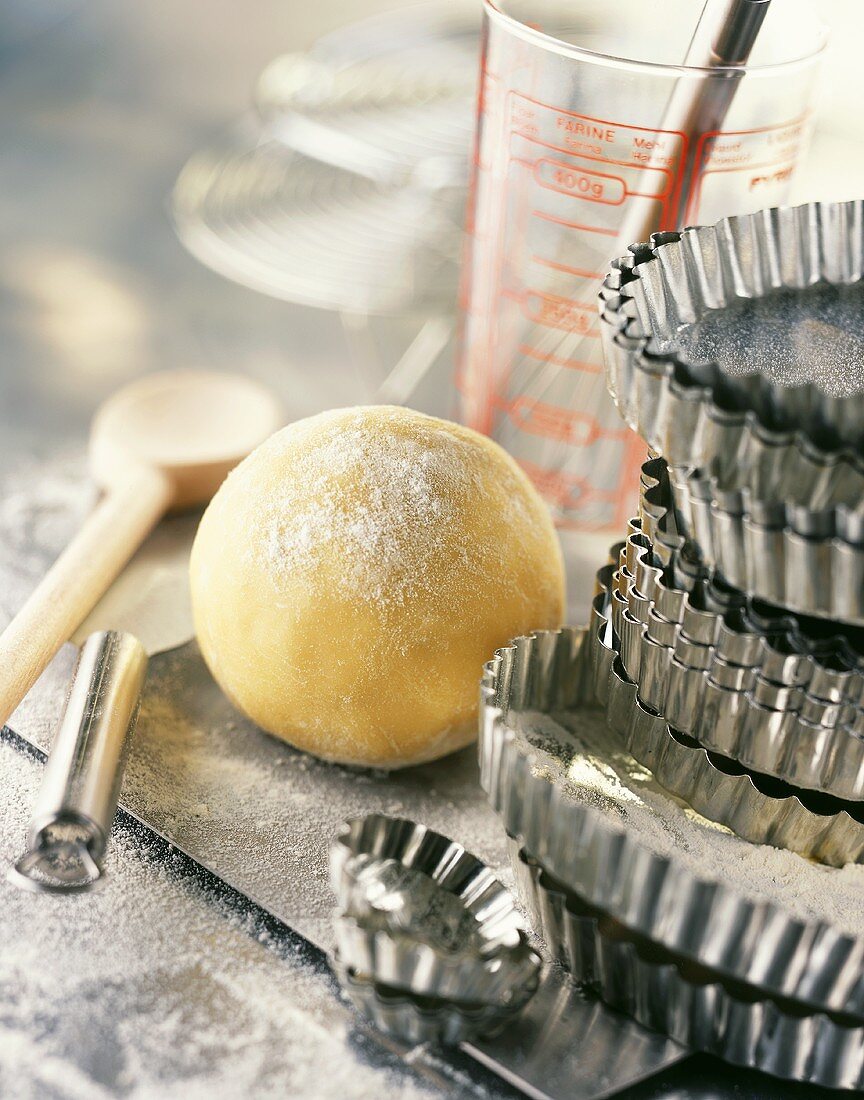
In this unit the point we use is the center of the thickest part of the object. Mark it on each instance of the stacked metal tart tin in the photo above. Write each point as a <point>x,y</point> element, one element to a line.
<point>744,950</point>
<point>684,780</point>
<point>430,947</point>
<point>734,350</point>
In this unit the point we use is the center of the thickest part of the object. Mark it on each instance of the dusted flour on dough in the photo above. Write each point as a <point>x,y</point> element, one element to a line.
<point>352,576</point>
<point>385,510</point>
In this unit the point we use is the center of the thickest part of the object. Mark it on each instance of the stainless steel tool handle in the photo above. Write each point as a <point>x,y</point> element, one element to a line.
<point>75,807</point>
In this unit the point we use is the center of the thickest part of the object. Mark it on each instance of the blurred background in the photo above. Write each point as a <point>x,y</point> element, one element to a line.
<point>104,105</point>
<point>835,165</point>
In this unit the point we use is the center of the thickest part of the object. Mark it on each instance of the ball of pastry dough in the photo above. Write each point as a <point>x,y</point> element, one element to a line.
<point>353,574</point>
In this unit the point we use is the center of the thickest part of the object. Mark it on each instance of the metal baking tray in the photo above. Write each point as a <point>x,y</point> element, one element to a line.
<point>261,816</point>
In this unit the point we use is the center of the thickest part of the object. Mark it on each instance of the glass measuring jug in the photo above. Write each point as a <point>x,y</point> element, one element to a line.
<point>591,135</point>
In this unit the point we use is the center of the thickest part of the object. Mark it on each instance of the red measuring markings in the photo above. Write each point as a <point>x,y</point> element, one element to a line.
<point>544,216</point>
<point>561,490</point>
<point>611,161</point>
<point>642,171</point>
<point>741,155</point>
<point>601,136</point>
<point>571,496</point>
<point>554,422</point>
<point>558,312</point>
<point>582,183</point>
<point>584,365</point>
<point>582,272</point>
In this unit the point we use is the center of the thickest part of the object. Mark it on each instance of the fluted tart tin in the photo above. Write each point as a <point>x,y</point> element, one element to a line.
<point>736,349</point>
<point>601,824</point>
<point>419,913</point>
<point>815,567</point>
<point>413,1019</point>
<point>691,1004</point>
<point>756,807</point>
<point>735,710</point>
<point>679,605</point>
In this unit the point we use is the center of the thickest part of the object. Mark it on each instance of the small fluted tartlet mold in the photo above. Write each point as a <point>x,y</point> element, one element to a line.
<point>834,651</point>
<point>735,710</point>
<point>416,1020</point>
<point>570,794</point>
<point>690,1004</point>
<point>756,807</point>
<point>754,649</point>
<point>419,913</point>
<point>804,571</point>
<point>781,442</point>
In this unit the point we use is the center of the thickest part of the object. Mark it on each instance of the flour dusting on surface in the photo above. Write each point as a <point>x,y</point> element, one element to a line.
<point>586,763</point>
<point>39,511</point>
<point>155,988</point>
<point>792,337</point>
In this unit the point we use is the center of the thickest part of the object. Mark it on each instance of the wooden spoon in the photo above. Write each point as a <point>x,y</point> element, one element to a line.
<point>163,443</point>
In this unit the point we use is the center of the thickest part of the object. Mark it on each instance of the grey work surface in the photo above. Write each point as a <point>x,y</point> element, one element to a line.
<point>128,992</point>
<point>165,989</point>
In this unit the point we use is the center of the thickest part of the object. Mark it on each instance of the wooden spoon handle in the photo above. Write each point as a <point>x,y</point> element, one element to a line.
<point>77,580</point>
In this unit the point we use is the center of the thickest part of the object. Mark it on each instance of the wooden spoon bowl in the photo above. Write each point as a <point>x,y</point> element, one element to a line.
<point>163,443</point>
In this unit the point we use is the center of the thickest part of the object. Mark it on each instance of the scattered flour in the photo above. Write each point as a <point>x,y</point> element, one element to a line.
<point>151,989</point>
<point>271,810</point>
<point>154,988</point>
<point>40,508</point>
<point>792,337</point>
<point>593,771</point>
